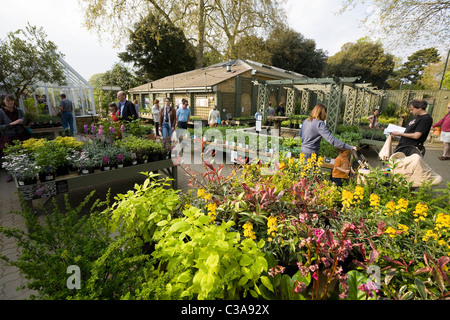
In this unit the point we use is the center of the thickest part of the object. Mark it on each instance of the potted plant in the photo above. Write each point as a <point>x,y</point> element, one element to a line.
<point>106,165</point>
<point>120,161</point>
<point>21,166</point>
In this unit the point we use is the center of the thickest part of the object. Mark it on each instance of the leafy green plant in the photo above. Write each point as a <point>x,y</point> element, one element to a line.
<point>216,263</point>
<point>63,239</point>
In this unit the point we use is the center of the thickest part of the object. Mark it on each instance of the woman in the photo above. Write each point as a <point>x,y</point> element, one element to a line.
<point>444,123</point>
<point>167,117</point>
<point>155,113</point>
<point>373,119</point>
<point>11,125</point>
<point>114,112</point>
<point>213,117</point>
<point>280,110</point>
<point>415,134</point>
<point>314,129</point>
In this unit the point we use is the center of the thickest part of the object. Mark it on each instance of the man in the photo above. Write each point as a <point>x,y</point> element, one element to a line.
<point>66,112</point>
<point>127,108</point>
<point>183,115</point>
<point>417,131</point>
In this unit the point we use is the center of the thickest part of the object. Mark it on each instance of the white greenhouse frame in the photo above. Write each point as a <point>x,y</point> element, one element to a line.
<point>77,89</point>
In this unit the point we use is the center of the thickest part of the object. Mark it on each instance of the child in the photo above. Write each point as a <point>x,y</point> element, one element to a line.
<point>341,169</point>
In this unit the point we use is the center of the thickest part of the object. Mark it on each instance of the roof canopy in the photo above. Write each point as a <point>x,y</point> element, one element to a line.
<point>205,79</point>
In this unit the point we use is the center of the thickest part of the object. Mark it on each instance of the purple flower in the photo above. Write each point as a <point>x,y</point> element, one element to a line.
<point>120,157</point>
<point>93,128</point>
<point>85,128</point>
<point>122,128</point>
<point>105,159</point>
<point>112,129</point>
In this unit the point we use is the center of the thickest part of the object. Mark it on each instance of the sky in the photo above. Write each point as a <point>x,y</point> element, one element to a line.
<point>62,21</point>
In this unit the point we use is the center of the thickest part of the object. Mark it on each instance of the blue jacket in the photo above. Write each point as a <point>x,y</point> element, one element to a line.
<point>312,133</point>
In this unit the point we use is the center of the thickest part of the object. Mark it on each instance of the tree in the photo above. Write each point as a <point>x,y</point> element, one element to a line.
<point>406,22</point>
<point>364,58</point>
<point>253,48</point>
<point>207,24</point>
<point>291,51</point>
<point>119,75</point>
<point>27,58</point>
<point>412,70</point>
<point>158,49</point>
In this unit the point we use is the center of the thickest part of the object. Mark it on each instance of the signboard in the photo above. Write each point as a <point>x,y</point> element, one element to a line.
<point>111,88</point>
<point>201,102</point>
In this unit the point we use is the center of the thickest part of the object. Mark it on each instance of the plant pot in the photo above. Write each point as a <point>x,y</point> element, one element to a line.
<point>62,170</point>
<point>26,181</point>
<point>291,125</point>
<point>296,126</point>
<point>105,167</point>
<point>87,170</point>
<point>119,165</point>
<point>46,176</point>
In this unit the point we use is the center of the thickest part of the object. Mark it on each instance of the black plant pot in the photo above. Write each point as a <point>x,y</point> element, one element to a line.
<point>46,176</point>
<point>291,125</point>
<point>62,170</point>
<point>26,181</point>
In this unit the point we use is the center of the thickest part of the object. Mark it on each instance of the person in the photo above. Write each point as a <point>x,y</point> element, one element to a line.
<point>167,117</point>
<point>213,117</point>
<point>280,110</point>
<point>270,113</point>
<point>444,123</point>
<point>259,113</point>
<point>314,129</point>
<point>126,108</point>
<point>183,115</point>
<point>341,168</point>
<point>114,112</point>
<point>11,126</point>
<point>373,119</point>
<point>66,112</point>
<point>155,113</point>
<point>417,131</point>
<point>136,107</point>
<point>2,101</point>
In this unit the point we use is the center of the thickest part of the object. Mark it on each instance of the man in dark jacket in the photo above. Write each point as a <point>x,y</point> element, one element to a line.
<point>127,109</point>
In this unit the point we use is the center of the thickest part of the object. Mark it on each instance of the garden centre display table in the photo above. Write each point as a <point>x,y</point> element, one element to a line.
<point>54,130</point>
<point>66,183</point>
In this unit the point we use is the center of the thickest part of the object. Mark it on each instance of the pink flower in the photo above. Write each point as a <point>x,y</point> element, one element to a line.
<point>299,286</point>
<point>122,128</point>
<point>315,275</point>
<point>85,128</point>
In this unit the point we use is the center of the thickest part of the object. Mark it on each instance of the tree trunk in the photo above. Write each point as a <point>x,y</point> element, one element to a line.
<point>201,34</point>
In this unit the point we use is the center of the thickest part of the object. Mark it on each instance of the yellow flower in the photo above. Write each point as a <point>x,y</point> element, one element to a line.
<point>391,232</point>
<point>430,234</point>
<point>443,222</point>
<point>291,161</point>
<point>420,212</point>
<point>390,208</point>
<point>347,198</point>
<point>374,200</point>
<point>282,165</point>
<point>271,225</point>
<point>248,231</point>
<point>402,205</point>
<point>403,228</point>
<point>359,193</point>
<point>201,193</point>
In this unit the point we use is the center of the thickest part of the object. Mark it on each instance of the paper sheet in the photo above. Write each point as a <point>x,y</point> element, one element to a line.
<point>392,127</point>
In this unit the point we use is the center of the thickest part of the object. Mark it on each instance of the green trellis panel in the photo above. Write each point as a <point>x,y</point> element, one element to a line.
<point>263,99</point>
<point>333,107</point>
<point>350,107</point>
<point>290,101</point>
<point>305,102</point>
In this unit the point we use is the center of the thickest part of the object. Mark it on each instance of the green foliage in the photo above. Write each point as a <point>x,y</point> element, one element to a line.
<point>26,58</point>
<point>145,209</point>
<point>292,51</point>
<point>412,70</point>
<point>64,239</point>
<point>158,49</point>
<point>215,262</point>
<point>364,58</point>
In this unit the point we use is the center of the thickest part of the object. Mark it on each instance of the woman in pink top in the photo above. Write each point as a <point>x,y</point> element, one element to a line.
<point>444,123</point>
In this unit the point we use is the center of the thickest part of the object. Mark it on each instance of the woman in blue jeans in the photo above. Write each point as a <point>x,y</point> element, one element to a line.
<point>167,120</point>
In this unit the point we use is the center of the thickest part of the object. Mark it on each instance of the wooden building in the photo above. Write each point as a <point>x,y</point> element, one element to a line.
<point>229,85</point>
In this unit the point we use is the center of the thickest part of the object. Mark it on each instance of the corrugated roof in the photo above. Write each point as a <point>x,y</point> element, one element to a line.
<point>206,78</point>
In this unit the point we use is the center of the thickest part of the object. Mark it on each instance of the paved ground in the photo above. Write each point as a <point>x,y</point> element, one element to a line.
<point>10,278</point>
